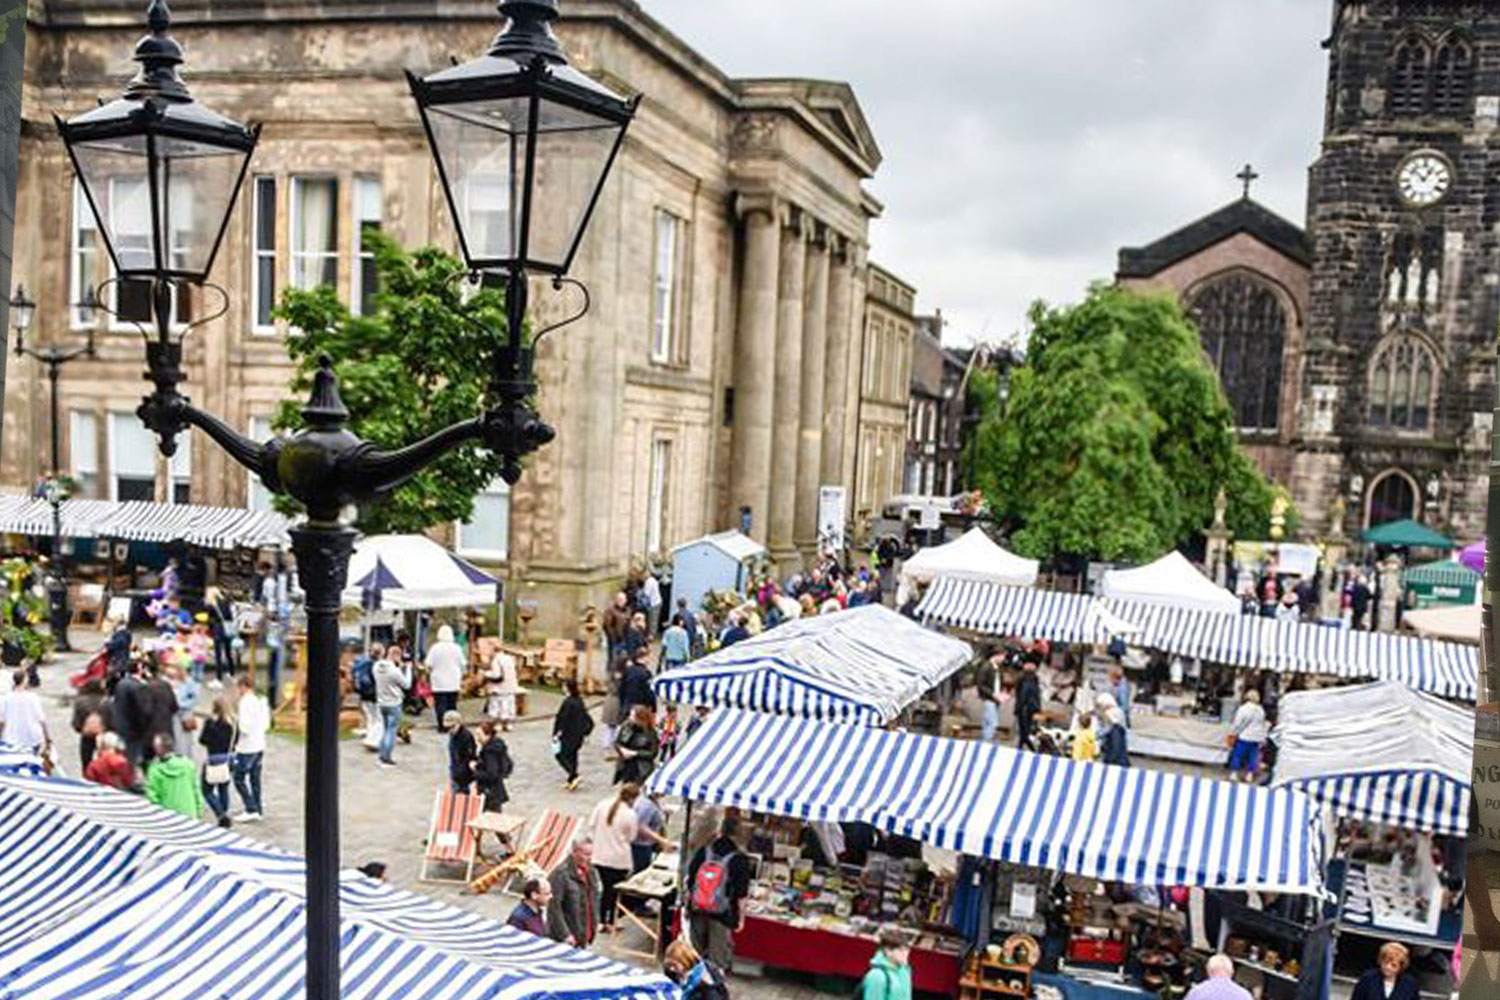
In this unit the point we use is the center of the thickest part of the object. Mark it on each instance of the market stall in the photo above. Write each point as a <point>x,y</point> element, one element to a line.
<point>152,897</point>
<point>866,664</point>
<point>1444,582</point>
<point>1451,624</point>
<point>1096,824</point>
<point>142,521</point>
<point>1444,669</point>
<point>972,556</point>
<point>414,573</point>
<point>1171,581</point>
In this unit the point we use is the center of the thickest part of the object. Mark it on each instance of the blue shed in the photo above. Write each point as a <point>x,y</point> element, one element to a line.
<point>725,561</point>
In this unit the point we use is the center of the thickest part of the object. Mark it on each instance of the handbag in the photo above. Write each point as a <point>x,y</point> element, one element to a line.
<point>216,770</point>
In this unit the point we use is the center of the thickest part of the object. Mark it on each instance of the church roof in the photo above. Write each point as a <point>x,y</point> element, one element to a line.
<point>1245,215</point>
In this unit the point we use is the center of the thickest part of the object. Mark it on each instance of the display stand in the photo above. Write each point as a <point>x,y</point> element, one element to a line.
<point>1309,944</point>
<point>656,887</point>
<point>985,978</point>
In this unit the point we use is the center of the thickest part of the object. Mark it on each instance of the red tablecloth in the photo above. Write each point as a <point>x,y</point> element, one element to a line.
<point>823,952</point>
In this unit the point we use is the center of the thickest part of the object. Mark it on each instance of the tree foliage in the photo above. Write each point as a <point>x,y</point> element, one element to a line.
<point>418,363</point>
<point>1116,437</point>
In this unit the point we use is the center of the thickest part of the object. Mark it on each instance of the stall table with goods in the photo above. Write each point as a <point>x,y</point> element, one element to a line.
<point>1042,849</point>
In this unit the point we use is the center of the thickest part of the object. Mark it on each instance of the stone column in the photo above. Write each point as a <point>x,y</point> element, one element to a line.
<point>788,396</point>
<point>854,377</point>
<point>814,357</point>
<point>836,363</point>
<point>754,363</point>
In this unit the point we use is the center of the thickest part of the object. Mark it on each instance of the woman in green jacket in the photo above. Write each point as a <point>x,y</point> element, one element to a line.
<point>172,780</point>
<point>889,977</point>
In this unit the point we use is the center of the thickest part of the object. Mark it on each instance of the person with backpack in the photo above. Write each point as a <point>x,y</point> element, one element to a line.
<point>363,675</point>
<point>719,880</point>
<point>889,977</point>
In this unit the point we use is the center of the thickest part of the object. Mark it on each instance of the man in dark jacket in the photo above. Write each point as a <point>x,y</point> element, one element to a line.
<point>130,714</point>
<point>161,708</point>
<point>635,685</point>
<point>987,686</point>
<point>1028,704</point>
<point>616,621</point>
<point>712,933</point>
<point>573,913</point>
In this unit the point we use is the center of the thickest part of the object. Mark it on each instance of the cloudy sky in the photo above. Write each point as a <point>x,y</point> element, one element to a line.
<point>1025,141</point>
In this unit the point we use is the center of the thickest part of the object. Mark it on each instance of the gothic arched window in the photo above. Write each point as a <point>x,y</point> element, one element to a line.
<point>1243,329</point>
<point>1392,498</point>
<point>1408,90</point>
<point>1403,377</point>
<point>1453,78</point>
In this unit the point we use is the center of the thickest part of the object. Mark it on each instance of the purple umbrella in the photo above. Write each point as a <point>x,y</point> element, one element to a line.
<point>1473,556</point>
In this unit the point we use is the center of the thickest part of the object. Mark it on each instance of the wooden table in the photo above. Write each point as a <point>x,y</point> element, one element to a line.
<point>656,884</point>
<point>507,828</point>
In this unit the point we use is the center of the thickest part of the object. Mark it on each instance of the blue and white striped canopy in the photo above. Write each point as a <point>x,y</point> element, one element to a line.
<point>104,897</point>
<point>1446,669</point>
<point>862,665</point>
<point>14,760</point>
<point>1113,823</point>
<point>1379,752</point>
<point>414,573</point>
<point>143,521</point>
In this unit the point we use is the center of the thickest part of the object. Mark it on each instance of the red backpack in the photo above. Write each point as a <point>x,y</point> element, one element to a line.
<point>711,885</point>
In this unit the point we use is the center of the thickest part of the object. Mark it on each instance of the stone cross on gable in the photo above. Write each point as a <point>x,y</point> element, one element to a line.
<point>1248,176</point>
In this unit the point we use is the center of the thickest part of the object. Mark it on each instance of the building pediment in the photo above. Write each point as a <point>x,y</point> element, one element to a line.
<point>1245,216</point>
<point>826,108</point>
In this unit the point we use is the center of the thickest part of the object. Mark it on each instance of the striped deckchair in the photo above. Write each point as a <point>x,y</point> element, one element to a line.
<point>449,839</point>
<point>550,840</point>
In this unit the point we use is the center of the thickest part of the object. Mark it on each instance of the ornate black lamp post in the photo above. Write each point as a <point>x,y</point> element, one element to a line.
<point>496,124</point>
<point>22,311</point>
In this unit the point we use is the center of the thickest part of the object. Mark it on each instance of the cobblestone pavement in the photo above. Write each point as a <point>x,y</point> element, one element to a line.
<point>383,812</point>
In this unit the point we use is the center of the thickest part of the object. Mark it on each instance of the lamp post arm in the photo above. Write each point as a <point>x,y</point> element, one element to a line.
<point>249,453</point>
<point>372,471</point>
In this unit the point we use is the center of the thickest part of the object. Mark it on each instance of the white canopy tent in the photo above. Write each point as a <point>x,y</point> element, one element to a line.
<point>1460,623</point>
<point>1171,581</point>
<point>414,573</point>
<point>1380,752</point>
<point>972,557</point>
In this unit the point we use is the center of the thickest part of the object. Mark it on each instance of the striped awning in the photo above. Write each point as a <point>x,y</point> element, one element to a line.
<point>1123,824</point>
<point>1379,752</point>
<point>14,760</point>
<point>864,665</point>
<point>1446,669</point>
<point>105,897</point>
<point>140,521</point>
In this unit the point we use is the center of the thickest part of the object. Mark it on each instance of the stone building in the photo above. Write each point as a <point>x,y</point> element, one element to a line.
<point>884,387</point>
<point>726,260</point>
<point>12,62</point>
<point>1384,312</point>
<point>935,414</point>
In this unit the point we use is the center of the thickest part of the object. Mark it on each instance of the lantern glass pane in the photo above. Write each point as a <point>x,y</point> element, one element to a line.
<point>482,146</point>
<point>199,181</point>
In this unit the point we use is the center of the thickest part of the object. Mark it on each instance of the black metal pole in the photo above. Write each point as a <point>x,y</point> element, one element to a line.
<point>59,595</point>
<point>322,550</point>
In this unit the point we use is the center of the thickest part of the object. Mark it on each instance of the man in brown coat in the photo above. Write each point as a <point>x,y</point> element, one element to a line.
<point>616,621</point>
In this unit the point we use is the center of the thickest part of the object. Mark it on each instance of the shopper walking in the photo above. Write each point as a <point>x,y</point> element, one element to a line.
<point>1113,739</point>
<point>650,832</point>
<point>718,881</point>
<point>637,744</point>
<point>445,673</point>
<point>172,780</point>
<point>530,914</point>
<point>495,765</point>
<point>570,728</point>
<point>635,685</point>
<point>1028,705</point>
<point>676,644</point>
<point>363,675</point>
<point>463,753</point>
<point>501,685</point>
<point>129,712</point>
<point>90,712</point>
<point>392,681</point>
<point>573,915</point>
<point>1219,984</point>
<point>616,621</point>
<point>253,717</point>
<point>217,740</point>
<point>1247,734</point>
<point>23,720</point>
<point>110,766</point>
<point>988,685</point>
<point>613,826</point>
<point>889,977</point>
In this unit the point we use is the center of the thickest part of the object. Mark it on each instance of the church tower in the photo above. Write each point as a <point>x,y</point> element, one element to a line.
<point>1398,370</point>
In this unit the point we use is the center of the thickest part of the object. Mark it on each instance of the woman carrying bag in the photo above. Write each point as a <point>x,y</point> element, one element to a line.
<point>637,744</point>
<point>217,739</point>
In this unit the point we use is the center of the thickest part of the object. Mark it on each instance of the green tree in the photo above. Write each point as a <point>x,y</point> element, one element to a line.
<point>1115,438</point>
<point>418,363</point>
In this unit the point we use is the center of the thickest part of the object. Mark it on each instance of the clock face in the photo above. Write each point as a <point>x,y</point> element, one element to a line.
<point>1424,179</point>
